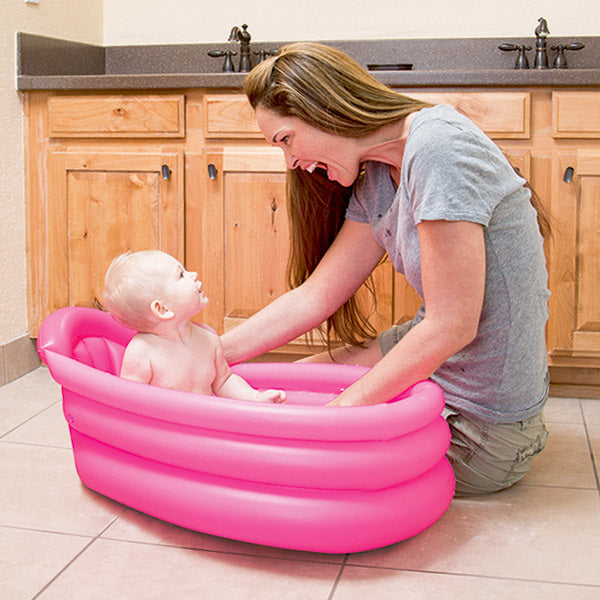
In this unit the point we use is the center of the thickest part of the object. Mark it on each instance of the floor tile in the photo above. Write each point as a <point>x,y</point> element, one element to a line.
<point>563,410</point>
<point>526,532</point>
<point>360,584</point>
<point>48,428</point>
<point>137,527</point>
<point>131,571</point>
<point>41,490</point>
<point>591,411</point>
<point>565,461</point>
<point>30,559</point>
<point>26,397</point>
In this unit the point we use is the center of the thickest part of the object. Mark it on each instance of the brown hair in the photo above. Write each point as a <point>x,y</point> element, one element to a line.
<point>328,90</point>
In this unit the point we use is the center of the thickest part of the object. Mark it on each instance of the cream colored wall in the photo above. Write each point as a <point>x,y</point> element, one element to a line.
<point>70,19</point>
<point>188,21</point>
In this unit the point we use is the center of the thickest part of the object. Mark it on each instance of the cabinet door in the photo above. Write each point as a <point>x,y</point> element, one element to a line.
<point>100,205</point>
<point>574,327</point>
<point>244,239</point>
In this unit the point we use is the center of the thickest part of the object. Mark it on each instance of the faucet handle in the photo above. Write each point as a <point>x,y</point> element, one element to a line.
<point>522,61</point>
<point>227,63</point>
<point>560,62</point>
<point>262,54</point>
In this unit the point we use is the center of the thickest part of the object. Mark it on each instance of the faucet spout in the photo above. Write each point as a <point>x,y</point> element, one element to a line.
<point>541,47</point>
<point>243,37</point>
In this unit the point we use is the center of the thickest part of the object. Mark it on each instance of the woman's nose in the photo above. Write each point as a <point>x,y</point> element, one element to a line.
<point>290,160</point>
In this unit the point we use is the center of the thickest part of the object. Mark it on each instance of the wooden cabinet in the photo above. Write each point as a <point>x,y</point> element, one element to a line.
<point>108,172</point>
<point>244,254</point>
<point>91,197</point>
<point>102,204</point>
<point>574,325</point>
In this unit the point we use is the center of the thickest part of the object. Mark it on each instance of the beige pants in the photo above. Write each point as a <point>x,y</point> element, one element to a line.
<point>486,457</point>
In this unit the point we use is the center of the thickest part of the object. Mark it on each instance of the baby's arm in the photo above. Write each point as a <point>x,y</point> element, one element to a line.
<point>136,362</point>
<point>237,387</point>
<point>230,385</point>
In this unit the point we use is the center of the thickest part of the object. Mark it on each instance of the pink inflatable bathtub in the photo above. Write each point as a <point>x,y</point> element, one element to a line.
<point>298,475</point>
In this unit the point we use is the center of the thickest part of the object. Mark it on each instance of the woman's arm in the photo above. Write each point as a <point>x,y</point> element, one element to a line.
<point>342,270</point>
<point>453,274</point>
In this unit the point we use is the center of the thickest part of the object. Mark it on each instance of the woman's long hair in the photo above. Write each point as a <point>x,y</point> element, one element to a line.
<point>328,90</point>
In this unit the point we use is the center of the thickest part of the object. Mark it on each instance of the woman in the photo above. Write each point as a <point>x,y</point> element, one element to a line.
<point>374,172</point>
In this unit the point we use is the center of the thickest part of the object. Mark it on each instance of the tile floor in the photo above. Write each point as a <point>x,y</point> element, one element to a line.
<point>59,540</point>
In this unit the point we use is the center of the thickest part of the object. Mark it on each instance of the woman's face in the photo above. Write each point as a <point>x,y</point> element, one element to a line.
<point>309,148</point>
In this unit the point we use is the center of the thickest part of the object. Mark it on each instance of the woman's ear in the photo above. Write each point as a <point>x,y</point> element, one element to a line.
<point>161,311</point>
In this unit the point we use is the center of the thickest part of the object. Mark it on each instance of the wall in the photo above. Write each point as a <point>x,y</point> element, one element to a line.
<point>188,21</point>
<point>71,19</point>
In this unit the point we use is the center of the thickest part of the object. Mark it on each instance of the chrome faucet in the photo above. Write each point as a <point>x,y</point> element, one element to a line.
<point>541,46</point>
<point>243,37</point>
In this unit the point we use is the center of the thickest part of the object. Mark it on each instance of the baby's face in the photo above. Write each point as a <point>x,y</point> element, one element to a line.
<point>181,292</point>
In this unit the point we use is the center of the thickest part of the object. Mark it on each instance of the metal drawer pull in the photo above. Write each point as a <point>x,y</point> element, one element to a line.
<point>166,172</point>
<point>212,171</point>
<point>568,175</point>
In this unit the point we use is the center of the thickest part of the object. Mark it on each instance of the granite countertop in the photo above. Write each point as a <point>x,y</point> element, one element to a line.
<point>52,64</point>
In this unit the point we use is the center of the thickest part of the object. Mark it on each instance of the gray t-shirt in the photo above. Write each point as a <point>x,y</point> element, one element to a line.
<point>452,171</point>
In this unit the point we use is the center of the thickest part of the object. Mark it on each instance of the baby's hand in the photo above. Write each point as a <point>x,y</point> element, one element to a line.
<point>276,396</point>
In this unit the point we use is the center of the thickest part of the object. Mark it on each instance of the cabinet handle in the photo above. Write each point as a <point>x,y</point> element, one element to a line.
<point>166,172</point>
<point>212,171</point>
<point>568,175</point>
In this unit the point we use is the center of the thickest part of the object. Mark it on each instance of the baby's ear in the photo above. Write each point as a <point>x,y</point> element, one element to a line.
<point>161,311</point>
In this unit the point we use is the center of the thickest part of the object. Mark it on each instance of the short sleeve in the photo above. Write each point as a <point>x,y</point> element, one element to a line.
<point>452,173</point>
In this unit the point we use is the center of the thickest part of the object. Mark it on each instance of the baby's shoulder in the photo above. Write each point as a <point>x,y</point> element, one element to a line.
<point>139,347</point>
<point>206,328</point>
<point>206,334</point>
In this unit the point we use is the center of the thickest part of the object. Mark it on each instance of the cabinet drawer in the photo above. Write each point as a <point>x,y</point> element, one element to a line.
<point>502,115</point>
<point>229,116</point>
<point>576,114</point>
<point>116,116</point>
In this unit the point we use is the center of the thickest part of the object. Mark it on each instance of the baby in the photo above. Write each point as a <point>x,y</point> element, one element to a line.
<point>151,292</point>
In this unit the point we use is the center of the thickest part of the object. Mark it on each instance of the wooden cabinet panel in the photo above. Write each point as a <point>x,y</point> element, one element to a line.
<point>245,233</point>
<point>575,306</point>
<point>116,116</point>
<point>587,334</point>
<point>256,241</point>
<point>576,114</point>
<point>502,115</point>
<point>100,205</point>
<point>229,116</point>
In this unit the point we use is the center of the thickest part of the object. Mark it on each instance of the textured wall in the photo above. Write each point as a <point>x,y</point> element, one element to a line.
<point>70,19</point>
<point>188,21</point>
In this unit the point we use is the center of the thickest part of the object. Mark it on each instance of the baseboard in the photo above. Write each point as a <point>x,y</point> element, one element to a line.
<point>17,358</point>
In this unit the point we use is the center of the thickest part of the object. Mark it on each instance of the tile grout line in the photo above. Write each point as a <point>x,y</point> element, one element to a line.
<point>69,563</point>
<point>41,412</point>
<point>590,448</point>
<point>214,551</point>
<point>338,577</point>
<point>473,575</point>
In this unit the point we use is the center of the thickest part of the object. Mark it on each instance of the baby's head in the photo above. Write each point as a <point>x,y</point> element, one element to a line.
<point>132,282</point>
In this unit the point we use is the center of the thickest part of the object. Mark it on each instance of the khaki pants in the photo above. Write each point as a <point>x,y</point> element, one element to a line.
<point>486,457</point>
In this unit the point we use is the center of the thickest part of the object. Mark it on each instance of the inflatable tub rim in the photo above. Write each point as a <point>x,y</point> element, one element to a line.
<point>416,407</point>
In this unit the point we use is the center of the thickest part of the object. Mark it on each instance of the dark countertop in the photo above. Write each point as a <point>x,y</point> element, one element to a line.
<point>52,64</point>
